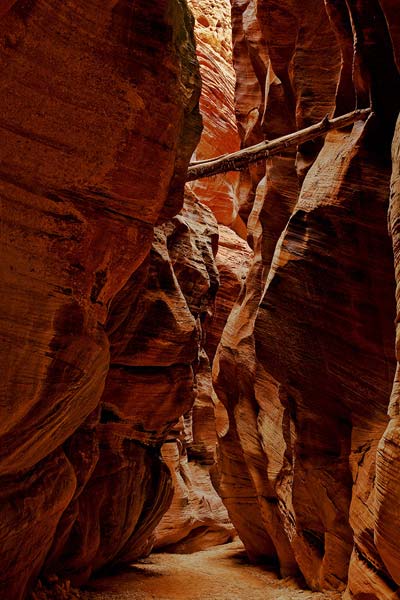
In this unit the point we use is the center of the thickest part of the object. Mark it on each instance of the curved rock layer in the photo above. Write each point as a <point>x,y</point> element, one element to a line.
<point>99,119</point>
<point>197,518</point>
<point>306,361</point>
<point>214,51</point>
<point>387,521</point>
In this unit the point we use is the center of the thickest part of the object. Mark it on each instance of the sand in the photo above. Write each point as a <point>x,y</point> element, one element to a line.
<point>220,573</point>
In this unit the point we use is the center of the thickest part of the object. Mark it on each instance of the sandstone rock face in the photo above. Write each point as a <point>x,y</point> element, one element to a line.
<point>233,261</point>
<point>387,522</point>
<point>155,332</point>
<point>197,518</point>
<point>214,51</point>
<point>306,361</point>
<point>108,290</point>
<point>99,119</point>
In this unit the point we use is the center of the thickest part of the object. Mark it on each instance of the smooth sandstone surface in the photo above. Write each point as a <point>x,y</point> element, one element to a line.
<point>197,519</point>
<point>306,361</point>
<point>117,298</point>
<point>99,118</point>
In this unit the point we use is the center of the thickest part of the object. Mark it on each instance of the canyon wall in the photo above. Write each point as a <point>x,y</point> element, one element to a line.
<point>306,362</point>
<point>116,296</point>
<point>213,34</point>
<point>100,310</point>
<point>387,522</point>
<point>197,518</point>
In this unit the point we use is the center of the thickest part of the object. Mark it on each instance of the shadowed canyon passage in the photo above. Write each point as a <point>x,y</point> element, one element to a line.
<point>181,363</point>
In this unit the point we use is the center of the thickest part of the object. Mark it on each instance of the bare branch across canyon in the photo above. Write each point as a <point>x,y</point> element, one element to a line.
<point>237,161</point>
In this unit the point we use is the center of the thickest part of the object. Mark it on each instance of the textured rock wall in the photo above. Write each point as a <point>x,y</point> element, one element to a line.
<point>197,518</point>
<point>99,117</point>
<point>154,328</point>
<point>387,523</point>
<point>214,51</point>
<point>306,361</point>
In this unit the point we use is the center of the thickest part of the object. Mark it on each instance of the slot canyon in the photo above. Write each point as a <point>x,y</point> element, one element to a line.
<point>200,396</point>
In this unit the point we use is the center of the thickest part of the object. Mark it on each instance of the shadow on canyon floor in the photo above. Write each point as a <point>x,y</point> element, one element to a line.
<point>221,573</point>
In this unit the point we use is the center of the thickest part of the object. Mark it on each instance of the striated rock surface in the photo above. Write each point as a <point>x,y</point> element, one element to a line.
<point>214,51</point>
<point>155,334</point>
<point>108,290</point>
<point>233,261</point>
<point>387,522</point>
<point>197,518</point>
<point>306,361</point>
<point>99,117</point>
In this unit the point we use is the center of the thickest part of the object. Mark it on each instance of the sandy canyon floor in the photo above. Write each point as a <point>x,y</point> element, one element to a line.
<point>221,573</point>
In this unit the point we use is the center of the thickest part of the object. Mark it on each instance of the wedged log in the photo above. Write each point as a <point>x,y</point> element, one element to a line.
<point>240,160</point>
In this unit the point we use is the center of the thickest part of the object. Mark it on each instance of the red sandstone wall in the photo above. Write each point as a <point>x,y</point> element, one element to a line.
<point>386,519</point>
<point>214,52</point>
<point>103,330</point>
<point>99,117</point>
<point>306,362</point>
<point>197,518</point>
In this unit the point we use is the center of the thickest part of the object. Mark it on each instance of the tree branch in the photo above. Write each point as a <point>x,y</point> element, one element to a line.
<point>237,161</point>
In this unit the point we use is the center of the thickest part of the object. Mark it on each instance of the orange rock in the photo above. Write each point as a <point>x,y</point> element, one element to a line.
<point>220,136</point>
<point>99,116</point>
<point>233,260</point>
<point>387,522</point>
<point>155,333</point>
<point>197,518</point>
<point>305,364</point>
